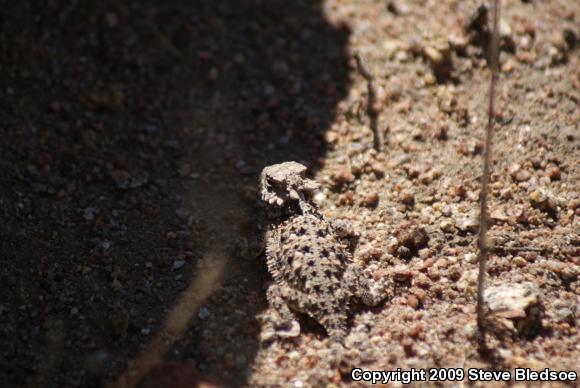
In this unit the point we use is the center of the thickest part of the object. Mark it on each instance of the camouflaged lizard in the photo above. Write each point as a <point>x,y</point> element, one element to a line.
<point>307,256</point>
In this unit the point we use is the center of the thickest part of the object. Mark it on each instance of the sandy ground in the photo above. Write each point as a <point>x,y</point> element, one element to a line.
<point>133,136</point>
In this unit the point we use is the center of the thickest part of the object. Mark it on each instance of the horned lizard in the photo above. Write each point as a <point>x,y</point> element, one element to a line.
<point>307,256</point>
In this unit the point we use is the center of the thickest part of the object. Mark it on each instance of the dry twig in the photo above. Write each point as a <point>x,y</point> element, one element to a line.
<point>483,215</point>
<point>372,110</point>
<point>179,317</point>
<point>518,249</point>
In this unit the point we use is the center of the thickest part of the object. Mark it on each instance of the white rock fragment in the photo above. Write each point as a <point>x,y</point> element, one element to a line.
<point>203,313</point>
<point>177,264</point>
<point>499,215</point>
<point>517,307</point>
<point>468,282</point>
<point>467,222</point>
<point>89,213</point>
<point>319,198</point>
<point>447,226</point>
<point>470,257</point>
<point>105,245</point>
<point>544,200</point>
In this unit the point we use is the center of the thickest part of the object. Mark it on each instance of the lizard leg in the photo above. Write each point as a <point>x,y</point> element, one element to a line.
<point>329,314</point>
<point>285,299</point>
<point>335,327</point>
<point>284,324</point>
<point>347,234</point>
<point>369,293</point>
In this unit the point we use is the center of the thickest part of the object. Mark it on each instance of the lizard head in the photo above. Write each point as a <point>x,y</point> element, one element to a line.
<point>285,183</point>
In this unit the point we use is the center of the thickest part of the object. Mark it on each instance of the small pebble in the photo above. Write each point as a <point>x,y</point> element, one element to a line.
<point>116,285</point>
<point>522,176</point>
<point>412,301</point>
<point>565,315</point>
<point>344,176</point>
<point>424,253</point>
<point>554,173</point>
<point>468,222</point>
<point>407,198</point>
<point>412,236</point>
<point>416,330</point>
<point>470,257</point>
<point>402,273</point>
<point>371,200</point>
<point>447,226</point>
<point>184,170</point>
<point>182,213</point>
<point>89,213</point>
<point>433,273</point>
<point>543,200</point>
<point>370,253</point>
<point>319,198</point>
<point>105,245</point>
<point>499,215</point>
<point>377,168</point>
<point>458,191</point>
<point>404,252</point>
<point>517,306</point>
<point>203,313</point>
<point>177,264</point>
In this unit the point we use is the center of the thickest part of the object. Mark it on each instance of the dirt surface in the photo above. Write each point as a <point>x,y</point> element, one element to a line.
<point>134,133</point>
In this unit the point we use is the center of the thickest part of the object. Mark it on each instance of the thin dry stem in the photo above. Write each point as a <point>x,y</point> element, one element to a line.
<point>372,110</point>
<point>179,317</point>
<point>518,249</point>
<point>483,215</point>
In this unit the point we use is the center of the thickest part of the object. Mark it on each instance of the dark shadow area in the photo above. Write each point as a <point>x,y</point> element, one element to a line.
<point>133,134</point>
